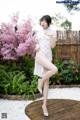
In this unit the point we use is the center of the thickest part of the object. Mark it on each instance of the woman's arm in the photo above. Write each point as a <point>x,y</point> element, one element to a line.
<point>37,47</point>
<point>52,37</point>
<point>53,41</point>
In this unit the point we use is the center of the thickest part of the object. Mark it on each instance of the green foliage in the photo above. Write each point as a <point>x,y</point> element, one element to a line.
<point>69,73</point>
<point>12,81</point>
<point>57,19</point>
<point>62,21</point>
<point>16,78</point>
<point>66,25</point>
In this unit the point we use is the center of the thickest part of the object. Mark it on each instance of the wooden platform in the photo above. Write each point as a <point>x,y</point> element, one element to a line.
<point>58,110</point>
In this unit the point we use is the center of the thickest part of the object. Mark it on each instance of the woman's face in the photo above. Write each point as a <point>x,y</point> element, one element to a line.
<point>44,24</point>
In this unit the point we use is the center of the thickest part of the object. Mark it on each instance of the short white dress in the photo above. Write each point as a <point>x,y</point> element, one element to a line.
<point>45,47</point>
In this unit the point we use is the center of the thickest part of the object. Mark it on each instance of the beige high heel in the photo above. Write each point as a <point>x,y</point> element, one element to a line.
<point>45,112</point>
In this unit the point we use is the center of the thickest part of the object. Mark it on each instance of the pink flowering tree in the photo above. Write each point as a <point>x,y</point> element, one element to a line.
<point>16,40</point>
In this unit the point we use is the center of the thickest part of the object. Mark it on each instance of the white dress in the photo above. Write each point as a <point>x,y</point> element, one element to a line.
<point>45,47</point>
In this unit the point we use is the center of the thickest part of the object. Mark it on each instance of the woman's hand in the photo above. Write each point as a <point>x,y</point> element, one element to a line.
<point>37,47</point>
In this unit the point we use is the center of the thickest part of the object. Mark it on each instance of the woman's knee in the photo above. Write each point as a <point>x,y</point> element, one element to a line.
<point>46,82</point>
<point>54,70</point>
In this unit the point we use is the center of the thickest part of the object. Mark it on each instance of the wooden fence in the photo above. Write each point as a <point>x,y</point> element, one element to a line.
<point>68,45</point>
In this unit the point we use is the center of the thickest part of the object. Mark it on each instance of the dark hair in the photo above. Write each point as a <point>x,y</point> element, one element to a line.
<point>47,18</point>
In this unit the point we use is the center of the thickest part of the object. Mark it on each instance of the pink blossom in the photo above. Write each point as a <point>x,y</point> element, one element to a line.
<point>21,49</point>
<point>17,43</point>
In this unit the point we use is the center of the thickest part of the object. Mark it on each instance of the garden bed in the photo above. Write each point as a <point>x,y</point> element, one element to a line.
<point>37,95</point>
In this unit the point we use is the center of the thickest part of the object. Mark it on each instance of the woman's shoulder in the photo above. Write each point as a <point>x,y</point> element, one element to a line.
<point>37,28</point>
<point>51,31</point>
<point>39,33</point>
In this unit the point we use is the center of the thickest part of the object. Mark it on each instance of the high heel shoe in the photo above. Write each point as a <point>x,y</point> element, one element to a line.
<point>40,86</point>
<point>45,112</point>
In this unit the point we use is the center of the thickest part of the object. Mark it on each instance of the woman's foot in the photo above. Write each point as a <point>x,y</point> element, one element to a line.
<point>40,85</point>
<point>45,111</point>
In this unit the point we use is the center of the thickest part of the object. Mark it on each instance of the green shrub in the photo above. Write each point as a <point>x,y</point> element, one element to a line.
<point>68,73</point>
<point>16,77</point>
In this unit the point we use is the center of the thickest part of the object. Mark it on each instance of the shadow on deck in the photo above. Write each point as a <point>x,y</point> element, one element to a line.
<point>59,109</point>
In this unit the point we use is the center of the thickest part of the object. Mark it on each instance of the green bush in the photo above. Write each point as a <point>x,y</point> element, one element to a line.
<point>16,77</point>
<point>69,73</point>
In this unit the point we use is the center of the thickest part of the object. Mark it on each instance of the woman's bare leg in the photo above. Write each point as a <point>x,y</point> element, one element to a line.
<point>45,94</point>
<point>52,69</point>
<point>40,85</point>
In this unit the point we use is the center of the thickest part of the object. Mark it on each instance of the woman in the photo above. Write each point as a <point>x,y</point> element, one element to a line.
<point>43,59</point>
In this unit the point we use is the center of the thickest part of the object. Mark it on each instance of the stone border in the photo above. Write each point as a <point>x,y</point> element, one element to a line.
<point>64,86</point>
<point>20,97</point>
